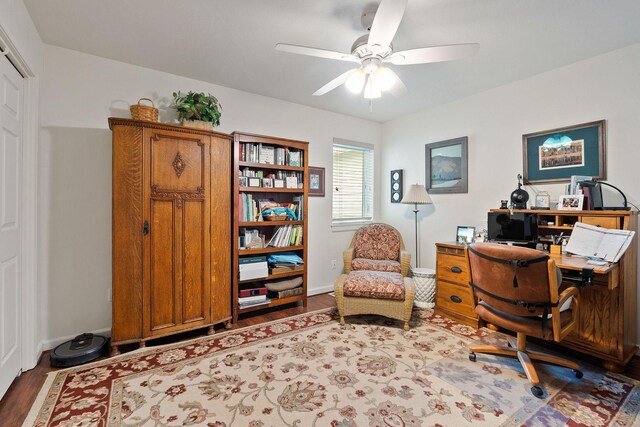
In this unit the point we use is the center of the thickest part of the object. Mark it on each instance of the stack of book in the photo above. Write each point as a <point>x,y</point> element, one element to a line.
<point>253,296</point>
<point>248,208</point>
<point>268,154</point>
<point>286,293</point>
<point>288,235</point>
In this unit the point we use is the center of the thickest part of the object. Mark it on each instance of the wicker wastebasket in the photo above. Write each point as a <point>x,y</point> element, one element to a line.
<point>425,283</point>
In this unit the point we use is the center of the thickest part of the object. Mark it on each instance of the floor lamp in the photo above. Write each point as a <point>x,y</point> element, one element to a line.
<point>417,195</point>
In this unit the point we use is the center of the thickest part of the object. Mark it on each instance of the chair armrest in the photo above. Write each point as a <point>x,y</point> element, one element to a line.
<point>347,257</point>
<point>405,263</point>
<point>566,294</point>
<point>559,332</point>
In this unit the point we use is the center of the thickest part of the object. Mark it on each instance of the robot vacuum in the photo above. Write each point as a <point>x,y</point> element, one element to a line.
<point>82,349</point>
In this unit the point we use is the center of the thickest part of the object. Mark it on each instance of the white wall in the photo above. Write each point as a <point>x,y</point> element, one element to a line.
<point>79,92</point>
<point>605,87</point>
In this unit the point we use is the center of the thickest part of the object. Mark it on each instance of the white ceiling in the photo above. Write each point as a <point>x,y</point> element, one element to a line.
<point>231,42</point>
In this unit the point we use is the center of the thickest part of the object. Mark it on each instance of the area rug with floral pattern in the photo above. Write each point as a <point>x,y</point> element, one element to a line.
<point>308,370</point>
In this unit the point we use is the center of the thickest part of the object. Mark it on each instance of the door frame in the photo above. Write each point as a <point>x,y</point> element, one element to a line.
<point>30,326</point>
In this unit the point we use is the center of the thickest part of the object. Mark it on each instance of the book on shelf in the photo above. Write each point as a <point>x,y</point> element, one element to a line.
<point>252,298</point>
<point>295,158</point>
<point>248,207</point>
<point>253,292</point>
<point>253,303</point>
<point>252,259</point>
<point>286,293</point>
<point>267,154</point>
<point>280,156</point>
<point>299,202</point>
<point>597,242</point>
<point>286,235</point>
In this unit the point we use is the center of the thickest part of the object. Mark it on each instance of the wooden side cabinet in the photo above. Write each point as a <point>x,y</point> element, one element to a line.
<point>171,230</point>
<point>454,297</point>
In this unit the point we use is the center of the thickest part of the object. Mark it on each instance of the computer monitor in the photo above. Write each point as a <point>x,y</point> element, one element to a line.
<point>520,228</point>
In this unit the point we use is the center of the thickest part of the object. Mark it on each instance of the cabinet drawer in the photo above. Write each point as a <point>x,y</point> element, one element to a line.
<point>602,221</point>
<point>456,298</point>
<point>453,268</point>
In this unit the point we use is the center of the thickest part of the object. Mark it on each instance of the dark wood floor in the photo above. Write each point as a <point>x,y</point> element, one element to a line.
<point>16,403</point>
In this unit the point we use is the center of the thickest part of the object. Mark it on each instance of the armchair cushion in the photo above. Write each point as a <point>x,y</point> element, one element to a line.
<point>376,265</point>
<point>374,284</point>
<point>377,242</point>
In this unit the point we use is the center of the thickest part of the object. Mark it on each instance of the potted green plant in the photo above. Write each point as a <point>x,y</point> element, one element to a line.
<point>197,110</point>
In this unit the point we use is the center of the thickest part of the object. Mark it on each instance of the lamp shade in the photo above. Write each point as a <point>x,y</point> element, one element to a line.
<point>417,195</point>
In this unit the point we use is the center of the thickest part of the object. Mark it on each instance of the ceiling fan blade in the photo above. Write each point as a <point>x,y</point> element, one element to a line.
<point>399,88</point>
<point>433,54</point>
<point>386,23</point>
<point>320,53</point>
<point>335,82</point>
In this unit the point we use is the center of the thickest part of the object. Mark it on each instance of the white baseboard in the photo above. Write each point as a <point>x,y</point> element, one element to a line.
<point>49,344</point>
<point>320,290</point>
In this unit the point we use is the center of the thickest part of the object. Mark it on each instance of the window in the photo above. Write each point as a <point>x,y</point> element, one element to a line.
<point>352,182</point>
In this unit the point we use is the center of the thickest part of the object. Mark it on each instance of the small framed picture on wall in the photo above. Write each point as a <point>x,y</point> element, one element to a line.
<point>316,181</point>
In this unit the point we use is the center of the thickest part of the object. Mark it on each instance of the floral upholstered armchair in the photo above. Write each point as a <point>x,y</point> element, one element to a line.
<point>377,247</point>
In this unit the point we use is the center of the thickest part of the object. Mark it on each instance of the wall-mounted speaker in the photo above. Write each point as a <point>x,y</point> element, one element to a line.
<point>396,186</point>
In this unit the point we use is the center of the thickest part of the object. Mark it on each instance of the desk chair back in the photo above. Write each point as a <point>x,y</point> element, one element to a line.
<point>502,275</point>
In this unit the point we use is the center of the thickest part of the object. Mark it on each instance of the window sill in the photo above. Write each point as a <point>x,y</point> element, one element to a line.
<point>349,226</point>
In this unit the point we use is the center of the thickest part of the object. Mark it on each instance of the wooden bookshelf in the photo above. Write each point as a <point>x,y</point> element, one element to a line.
<point>264,167</point>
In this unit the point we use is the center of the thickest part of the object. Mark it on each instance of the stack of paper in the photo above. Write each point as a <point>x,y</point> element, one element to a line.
<point>597,242</point>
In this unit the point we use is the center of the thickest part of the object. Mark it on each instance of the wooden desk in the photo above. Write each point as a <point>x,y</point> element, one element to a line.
<point>607,275</point>
<point>607,313</point>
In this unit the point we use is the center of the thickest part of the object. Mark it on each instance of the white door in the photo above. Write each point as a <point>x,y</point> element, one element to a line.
<point>10,235</point>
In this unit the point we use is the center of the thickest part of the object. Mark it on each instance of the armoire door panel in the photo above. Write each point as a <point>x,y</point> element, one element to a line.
<point>221,236</point>
<point>163,265</point>
<point>196,286</point>
<point>177,163</point>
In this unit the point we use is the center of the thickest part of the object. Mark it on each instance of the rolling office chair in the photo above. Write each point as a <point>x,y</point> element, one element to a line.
<point>517,289</point>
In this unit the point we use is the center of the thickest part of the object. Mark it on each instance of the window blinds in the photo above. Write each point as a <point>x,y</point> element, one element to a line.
<point>352,183</point>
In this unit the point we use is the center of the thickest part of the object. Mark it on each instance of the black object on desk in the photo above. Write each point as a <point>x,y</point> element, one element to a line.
<point>580,278</point>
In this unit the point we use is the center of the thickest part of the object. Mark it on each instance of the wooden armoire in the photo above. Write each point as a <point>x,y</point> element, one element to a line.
<point>171,230</point>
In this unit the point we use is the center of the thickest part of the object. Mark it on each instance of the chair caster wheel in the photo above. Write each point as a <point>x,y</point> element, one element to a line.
<point>537,391</point>
<point>579,374</point>
<point>472,357</point>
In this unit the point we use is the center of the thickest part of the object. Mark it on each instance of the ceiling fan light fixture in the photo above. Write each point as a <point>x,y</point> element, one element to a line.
<point>385,78</point>
<point>356,81</point>
<point>371,89</point>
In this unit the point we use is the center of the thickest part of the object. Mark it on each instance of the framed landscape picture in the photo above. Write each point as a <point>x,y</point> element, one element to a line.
<point>316,181</point>
<point>557,154</point>
<point>446,166</point>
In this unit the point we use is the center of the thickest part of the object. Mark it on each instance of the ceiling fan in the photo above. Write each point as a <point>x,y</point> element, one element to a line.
<point>373,50</point>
